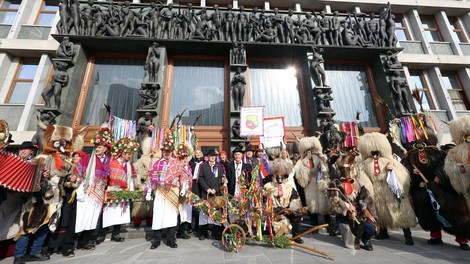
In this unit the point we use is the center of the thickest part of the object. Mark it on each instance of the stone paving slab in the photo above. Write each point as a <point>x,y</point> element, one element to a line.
<point>210,251</point>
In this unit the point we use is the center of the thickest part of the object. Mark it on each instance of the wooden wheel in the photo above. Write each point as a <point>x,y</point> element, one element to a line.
<point>233,238</point>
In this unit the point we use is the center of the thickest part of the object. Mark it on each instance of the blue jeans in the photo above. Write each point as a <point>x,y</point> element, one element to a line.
<point>39,237</point>
<point>369,231</point>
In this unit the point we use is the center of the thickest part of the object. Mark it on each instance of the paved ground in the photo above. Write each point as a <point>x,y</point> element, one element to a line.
<point>393,250</point>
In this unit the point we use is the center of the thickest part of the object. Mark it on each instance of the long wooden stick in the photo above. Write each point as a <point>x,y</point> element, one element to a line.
<point>311,249</point>
<point>308,231</point>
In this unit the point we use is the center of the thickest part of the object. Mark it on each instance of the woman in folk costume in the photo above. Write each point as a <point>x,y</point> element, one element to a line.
<point>457,164</point>
<point>143,166</point>
<point>93,172</point>
<point>121,178</point>
<point>166,181</point>
<point>312,176</point>
<point>390,185</point>
<point>185,209</point>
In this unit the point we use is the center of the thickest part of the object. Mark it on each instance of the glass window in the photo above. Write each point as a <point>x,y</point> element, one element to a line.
<point>198,85</point>
<point>46,14</point>
<point>430,29</point>
<point>351,93</point>
<point>454,87</point>
<point>22,81</point>
<point>457,29</point>
<point>401,30</point>
<point>272,84</point>
<point>8,11</point>
<point>116,82</point>
<point>417,81</point>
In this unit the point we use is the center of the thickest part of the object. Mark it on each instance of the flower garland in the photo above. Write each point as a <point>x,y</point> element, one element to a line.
<point>124,145</point>
<point>182,150</point>
<point>168,141</point>
<point>103,137</point>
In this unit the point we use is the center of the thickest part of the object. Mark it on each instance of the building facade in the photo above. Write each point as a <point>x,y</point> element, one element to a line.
<point>213,55</point>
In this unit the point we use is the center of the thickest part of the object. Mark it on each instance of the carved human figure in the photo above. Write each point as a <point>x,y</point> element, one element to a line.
<point>187,27</point>
<point>316,67</point>
<point>359,27</point>
<point>311,23</point>
<point>269,34</point>
<point>238,53</point>
<point>236,129</point>
<point>153,17</point>
<point>99,18</point>
<point>148,97</point>
<point>166,22</point>
<point>336,29</point>
<point>87,11</point>
<point>63,25</point>
<point>152,63</point>
<point>242,25</point>
<point>217,27</point>
<point>145,126</point>
<point>323,100</point>
<point>372,30</point>
<point>140,25</point>
<point>262,21</point>
<point>289,25</point>
<point>59,79</point>
<point>392,61</point>
<point>277,22</point>
<point>253,24</point>
<point>238,89</point>
<point>351,39</point>
<point>389,20</point>
<point>112,28</point>
<point>65,49</point>
<point>400,93</point>
<point>75,13</point>
<point>302,35</point>
<point>229,24</point>
<point>202,27</point>
<point>326,27</point>
<point>127,26</point>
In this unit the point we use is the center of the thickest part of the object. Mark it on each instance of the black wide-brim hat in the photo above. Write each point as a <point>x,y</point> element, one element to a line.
<point>249,148</point>
<point>28,145</point>
<point>212,152</point>
<point>238,150</point>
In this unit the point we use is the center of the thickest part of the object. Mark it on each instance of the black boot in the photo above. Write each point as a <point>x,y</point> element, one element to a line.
<point>464,246</point>
<point>182,233</point>
<point>408,239</point>
<point>383,234</point>
<point>435,241</point>
<point>202,232</point>
<point>313,219</point>
<point>368,245</point>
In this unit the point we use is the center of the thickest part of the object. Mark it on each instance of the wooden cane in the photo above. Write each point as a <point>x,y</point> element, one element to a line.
<point>292,243</point>
<point>308,231</point>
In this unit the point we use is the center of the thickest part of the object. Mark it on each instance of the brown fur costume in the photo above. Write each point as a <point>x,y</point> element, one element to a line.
<point>311,153</point>
<point>4,133</point>
<point>457,163</point>
<point>390,212</point>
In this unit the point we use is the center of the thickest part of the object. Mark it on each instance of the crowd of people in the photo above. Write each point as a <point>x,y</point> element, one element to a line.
<point>84,211</point>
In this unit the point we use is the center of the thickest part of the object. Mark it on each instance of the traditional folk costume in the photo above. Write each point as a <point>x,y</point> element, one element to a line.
<point>166,181</point>
<point>286,200</point>
<point>121,178</point>
<point>94,173</point>
<point>390,185</point>
<point>210,177</point>
<point>312,176</point>
<point>457,168</point>
<point>185,208</point>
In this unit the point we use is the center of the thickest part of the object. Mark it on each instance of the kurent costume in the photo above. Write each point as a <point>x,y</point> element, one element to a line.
<point>94,173</point>
<point>390,185</point>
<point>286,200</point>
<point>121,177</point>
<point>210,177</point>
<point>311,174</point>
<point>166,181</point>
<point>457,168</point>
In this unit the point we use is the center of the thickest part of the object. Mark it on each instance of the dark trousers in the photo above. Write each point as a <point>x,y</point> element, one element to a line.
<point>369,231</point>
<point>65,233</point>
<point>170,234</point>
<point>86,237</point>
<point>116,230</point>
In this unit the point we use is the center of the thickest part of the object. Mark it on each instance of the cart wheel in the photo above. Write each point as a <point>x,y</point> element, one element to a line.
<point>233,238</point>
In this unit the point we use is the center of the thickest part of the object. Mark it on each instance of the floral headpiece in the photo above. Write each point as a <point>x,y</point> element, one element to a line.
<point>168,142</point>
<point>124,145</point>
<point>182,150</point>
<point>103,137</point>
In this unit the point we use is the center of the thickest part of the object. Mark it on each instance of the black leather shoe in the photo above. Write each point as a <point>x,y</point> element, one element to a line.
<point>435,241</point>
<point>202,237</point>
<point>99,240</point>
<point>299,241</point>
<point>368,245</point>
<point>182,236</point>
<point>409,241</point>
<point>117,238</point>
<point>68,254</point>
<point>464,246</point>
<point>172,244</point>
<point>86,247</point>
<point>36,257</point>
<point>19,260</point>
<point>155,245</point>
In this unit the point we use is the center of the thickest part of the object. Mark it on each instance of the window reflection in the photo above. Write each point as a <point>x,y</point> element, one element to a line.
<point>23,81</point>
<point>351,93</point>
<point>116,82</point>
<point>272,86</point>
<point>199,87</point>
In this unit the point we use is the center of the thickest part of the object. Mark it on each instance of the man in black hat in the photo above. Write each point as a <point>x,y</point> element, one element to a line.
<point>210,182</point>
<point>27,150</point>
<point>236,168</point>
<point>249,155</point>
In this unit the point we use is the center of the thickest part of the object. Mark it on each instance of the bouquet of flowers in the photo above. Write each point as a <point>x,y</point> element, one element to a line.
<point>103,137</point>
<point>124,145</point>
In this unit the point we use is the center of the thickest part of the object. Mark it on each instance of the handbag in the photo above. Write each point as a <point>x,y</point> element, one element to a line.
<point>216,202</point>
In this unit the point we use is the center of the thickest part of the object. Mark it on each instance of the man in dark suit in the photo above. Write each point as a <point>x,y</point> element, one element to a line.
<point>210,182</point>
<point>236,168</point>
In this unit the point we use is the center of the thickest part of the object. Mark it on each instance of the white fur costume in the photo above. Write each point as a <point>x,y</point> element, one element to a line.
<point>391,213</point>
<point>314,179</point>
